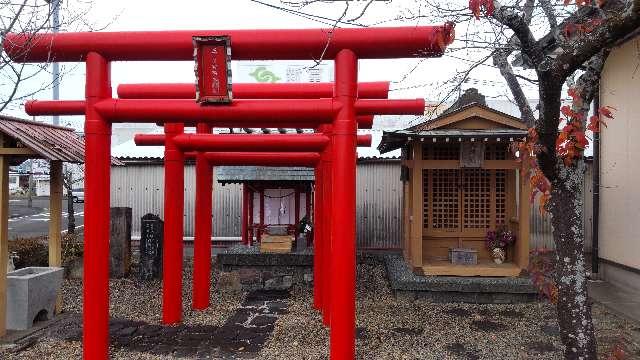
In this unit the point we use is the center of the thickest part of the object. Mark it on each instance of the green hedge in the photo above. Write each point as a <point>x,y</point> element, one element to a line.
<point>35,251</point>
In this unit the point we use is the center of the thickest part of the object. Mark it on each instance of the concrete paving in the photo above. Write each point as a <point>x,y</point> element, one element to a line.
<point>621,301</point>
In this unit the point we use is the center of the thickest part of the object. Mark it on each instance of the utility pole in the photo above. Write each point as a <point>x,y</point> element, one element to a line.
<point>55,4</point>
<point>30,198</point>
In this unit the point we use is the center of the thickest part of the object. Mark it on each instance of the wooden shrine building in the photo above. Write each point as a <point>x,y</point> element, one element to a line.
<point>270,196</point>
<point>461,180</point>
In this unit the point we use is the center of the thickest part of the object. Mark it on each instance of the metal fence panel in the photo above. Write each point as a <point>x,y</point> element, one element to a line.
<point>541,229</point>
<point>141,187</point>
<point>379,205</point>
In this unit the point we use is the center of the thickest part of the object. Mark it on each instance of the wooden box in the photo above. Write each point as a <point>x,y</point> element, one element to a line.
<point>462,256</point>
<point>276,244</point>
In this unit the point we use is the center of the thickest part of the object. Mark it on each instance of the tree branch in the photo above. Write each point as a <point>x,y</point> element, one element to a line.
<point>617,24</point>
<point>518,24</point>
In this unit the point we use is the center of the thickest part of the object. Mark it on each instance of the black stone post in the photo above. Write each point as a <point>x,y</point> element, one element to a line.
<point>120,242</point>
<point>151,233</point>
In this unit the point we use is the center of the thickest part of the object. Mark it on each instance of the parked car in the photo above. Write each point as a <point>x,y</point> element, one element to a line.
<point>78,195</point>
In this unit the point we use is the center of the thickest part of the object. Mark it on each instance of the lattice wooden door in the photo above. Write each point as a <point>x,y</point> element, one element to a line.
<point>476,199</point>
<point>464,201</point>
<point>445,203</point>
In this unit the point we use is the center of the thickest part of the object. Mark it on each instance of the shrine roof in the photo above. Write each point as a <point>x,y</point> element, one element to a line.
<point>46,141</point>
<point>392,140</point>
<point>49,141</point>
<point>239,174</point>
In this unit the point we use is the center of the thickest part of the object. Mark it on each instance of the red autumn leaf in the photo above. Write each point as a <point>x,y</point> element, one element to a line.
<point>606,111</point>
<point>581,140</point>
<point>474,6</point>
<point>573,92</point>
<point>566,111</point>
<point>489,7</point>
<point>593,124</point>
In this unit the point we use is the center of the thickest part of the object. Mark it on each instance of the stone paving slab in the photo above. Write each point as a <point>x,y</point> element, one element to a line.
<point>622,301</point>
<point>243,334</point>
<point>242,255</point>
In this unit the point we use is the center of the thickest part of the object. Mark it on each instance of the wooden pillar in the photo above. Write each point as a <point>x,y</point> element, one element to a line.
<point>521,253</point>
<point>406,214</point>
<point>55,219</point>
<point>417,208</point>
<point>4,238</point>
<point>512,193</point>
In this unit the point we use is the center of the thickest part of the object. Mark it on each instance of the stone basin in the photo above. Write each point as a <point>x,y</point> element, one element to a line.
<point>31,295</point>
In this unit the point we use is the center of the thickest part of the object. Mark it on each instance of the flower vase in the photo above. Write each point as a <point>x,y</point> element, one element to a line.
<point>499,255</point>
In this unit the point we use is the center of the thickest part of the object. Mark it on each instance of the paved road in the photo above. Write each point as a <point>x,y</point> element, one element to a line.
<point>34,221</point>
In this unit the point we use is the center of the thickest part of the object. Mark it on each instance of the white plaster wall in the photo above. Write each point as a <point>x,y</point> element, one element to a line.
<point>620,157</point>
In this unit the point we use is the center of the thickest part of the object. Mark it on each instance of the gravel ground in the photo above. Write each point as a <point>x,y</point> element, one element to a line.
<point>388,328</point>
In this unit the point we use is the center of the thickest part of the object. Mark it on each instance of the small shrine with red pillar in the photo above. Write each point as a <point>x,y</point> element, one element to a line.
<point>272,197</point>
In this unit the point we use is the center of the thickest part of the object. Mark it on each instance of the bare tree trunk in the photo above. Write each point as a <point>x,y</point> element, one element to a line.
<point>566,206</point>
<point>574,310</point>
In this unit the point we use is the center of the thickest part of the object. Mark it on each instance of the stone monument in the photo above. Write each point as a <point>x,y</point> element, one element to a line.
<point>151,234</point>
<point>120,242</point>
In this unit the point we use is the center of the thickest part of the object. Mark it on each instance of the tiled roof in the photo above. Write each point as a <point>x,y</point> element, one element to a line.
<point>49,141</point>
<point>229,174</point>
<point>394,140</point>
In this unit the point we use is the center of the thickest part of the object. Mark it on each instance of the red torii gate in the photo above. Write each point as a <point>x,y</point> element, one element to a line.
<point>204,176</point>
<point>345,46</point>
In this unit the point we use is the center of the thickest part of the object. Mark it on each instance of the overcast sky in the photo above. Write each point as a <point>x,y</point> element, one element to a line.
<point>128,15</point>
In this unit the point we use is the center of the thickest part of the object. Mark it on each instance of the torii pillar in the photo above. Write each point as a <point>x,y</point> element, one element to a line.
<point>172,253</point>
<point>343,225</point>
<point>203,228</point>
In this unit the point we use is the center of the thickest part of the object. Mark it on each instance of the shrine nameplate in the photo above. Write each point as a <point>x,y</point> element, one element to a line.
<point>471,154</point>
<point>213,69</point>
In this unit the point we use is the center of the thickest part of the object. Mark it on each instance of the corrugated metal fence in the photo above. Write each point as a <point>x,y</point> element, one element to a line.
<point>378,203</point>
<point>141,188</point>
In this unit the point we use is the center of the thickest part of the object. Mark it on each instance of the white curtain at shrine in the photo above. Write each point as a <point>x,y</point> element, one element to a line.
<point>279,206</point>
